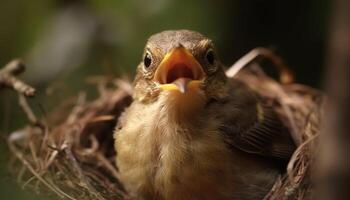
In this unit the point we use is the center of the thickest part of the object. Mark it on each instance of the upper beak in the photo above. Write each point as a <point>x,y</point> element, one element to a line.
<point>179,70</point>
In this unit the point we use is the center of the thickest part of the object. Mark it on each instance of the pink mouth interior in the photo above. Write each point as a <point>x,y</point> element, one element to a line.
<point>179,71</point>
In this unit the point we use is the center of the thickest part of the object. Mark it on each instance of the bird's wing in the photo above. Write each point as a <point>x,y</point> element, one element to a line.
<point>254,127</point>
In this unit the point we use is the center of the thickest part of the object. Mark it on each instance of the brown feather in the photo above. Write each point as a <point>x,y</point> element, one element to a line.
<point>267,137</point>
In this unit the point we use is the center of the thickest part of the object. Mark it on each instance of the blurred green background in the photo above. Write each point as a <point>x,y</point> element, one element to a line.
<point>64,41</point>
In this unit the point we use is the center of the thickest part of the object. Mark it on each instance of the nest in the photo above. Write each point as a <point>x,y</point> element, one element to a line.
<point>71,154</point>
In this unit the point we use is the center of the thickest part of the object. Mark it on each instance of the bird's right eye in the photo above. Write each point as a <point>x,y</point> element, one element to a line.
<point>147,60</point>
<point>210,56</point>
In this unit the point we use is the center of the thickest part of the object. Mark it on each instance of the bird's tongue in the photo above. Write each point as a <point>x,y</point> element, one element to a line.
<point>182,84</point>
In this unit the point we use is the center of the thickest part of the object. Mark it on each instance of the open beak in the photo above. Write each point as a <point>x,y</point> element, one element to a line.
<point>179,70</point>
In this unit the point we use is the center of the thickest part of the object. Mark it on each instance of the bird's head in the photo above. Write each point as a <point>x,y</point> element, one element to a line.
<point>181,66</point>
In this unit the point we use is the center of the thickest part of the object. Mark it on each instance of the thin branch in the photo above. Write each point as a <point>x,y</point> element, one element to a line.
<point>286,76</point>
<point>28,111</point>
<point>80,173</point>
<point>20,156</point>
<point>8,78</point>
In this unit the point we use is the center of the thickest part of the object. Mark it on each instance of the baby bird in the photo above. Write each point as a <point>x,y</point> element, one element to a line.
<point>192,133</point>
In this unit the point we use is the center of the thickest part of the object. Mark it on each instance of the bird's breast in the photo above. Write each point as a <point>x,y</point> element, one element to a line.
<point>160,156</point>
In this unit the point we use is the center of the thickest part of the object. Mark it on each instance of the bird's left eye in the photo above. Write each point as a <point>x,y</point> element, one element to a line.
<point>210,56</point>
<point>147,60</point>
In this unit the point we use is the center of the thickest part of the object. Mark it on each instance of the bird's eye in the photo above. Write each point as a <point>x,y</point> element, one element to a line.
<point>147,60</point>
<point>210,56</point>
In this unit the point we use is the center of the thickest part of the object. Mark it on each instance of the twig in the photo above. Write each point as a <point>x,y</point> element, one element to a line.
<point>8,78</point>
<point>29,113</point>
<point>286,75</point>
<point>78,108</point>
<point>80,174</point>
<point>108,165</point>
<point>124,85</point>
<point>287,110</point>
<point>27,110</point>
<point>20,156</point>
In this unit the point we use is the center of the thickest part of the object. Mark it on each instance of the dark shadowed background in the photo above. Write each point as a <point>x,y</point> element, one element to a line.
<point>65,41</point>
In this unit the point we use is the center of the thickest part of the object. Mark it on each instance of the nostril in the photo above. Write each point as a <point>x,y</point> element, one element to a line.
<point>179,71</point>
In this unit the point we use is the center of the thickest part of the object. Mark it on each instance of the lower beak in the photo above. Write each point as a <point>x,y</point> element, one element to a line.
<point>179,70</point>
